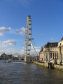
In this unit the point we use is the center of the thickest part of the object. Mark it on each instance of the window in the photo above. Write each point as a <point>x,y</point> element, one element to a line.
<point>53,55</point>
<point>50,55</point>
<point>60,44</point>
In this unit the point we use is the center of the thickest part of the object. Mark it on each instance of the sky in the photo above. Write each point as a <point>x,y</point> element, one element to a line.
<point>47,23</point>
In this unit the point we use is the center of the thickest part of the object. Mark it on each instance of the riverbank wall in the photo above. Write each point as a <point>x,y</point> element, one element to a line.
<point>57,67</point>
<point>41,64</point>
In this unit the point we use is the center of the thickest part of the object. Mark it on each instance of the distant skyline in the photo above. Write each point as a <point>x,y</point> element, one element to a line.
<point>47,23</point>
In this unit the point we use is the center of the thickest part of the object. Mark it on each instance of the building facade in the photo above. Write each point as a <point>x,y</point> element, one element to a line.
<point>52,52</point>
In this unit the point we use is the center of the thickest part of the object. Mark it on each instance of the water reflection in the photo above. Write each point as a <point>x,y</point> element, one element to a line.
<point>21,73</point>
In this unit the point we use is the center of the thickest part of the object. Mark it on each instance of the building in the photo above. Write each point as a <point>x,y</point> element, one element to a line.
<point>52,52</point>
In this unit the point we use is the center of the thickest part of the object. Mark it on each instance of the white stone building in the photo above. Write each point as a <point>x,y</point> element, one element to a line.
<point>52,52</point>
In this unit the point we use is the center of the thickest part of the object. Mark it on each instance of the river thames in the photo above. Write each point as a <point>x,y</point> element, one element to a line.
<point>22,73</point>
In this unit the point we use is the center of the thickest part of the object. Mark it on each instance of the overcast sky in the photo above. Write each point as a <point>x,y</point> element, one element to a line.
<point>47,23</point>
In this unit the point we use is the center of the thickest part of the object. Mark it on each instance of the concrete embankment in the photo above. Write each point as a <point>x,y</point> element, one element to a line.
<point>58,67</point>
<point>41,64</point>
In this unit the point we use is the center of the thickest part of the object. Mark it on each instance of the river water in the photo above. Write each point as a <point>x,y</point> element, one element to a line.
<point>22,73</point>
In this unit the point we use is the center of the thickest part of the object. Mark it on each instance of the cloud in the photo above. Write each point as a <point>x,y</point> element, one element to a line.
<point>35,51</point>
<point>37,47</point>
<point>1,34</point>
<point>21,31</point>
<point>8,43</point>
<point>3,30</point>
<point>51,39</point>
<point>12,51</point>
<point>18,52</point>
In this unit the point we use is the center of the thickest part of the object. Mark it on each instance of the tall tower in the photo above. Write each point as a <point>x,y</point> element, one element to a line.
<point>28,39</point>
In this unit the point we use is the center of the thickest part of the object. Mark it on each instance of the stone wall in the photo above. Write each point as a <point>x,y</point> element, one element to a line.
<point>58,67</point>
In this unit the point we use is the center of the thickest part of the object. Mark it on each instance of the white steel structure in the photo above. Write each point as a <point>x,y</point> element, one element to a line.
<point>28,39</point>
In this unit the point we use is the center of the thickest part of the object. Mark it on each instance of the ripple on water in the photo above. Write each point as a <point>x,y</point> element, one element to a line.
<point>20,73</point>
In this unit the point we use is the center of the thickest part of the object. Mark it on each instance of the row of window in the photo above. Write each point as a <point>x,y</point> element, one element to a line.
<point>54,55</point>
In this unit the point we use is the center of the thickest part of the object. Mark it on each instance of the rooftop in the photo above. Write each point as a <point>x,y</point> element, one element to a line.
<point>61,39</point>
<point>51,45</point>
